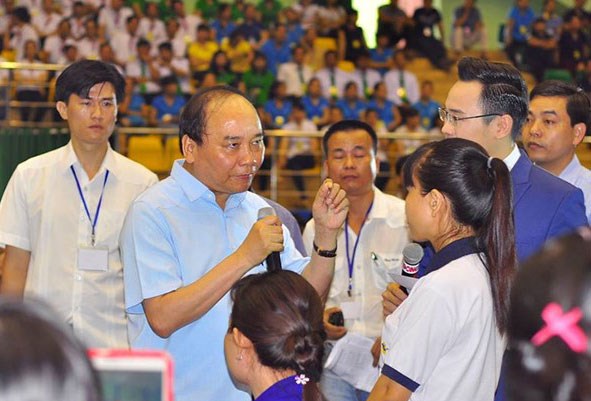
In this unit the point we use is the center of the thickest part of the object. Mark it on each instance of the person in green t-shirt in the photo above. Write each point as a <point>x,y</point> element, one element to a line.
<point>207,9</point>
<point>258,80</point>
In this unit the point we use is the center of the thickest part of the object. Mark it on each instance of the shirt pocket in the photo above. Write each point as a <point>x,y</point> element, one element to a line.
<point>109,227</point>
<point>384,266</point>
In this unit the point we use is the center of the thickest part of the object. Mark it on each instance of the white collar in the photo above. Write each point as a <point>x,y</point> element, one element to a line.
<point>513,157</point>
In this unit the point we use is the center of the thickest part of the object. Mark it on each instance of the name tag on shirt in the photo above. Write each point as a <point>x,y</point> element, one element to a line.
<point>93,259</point>
<point>351,310</point>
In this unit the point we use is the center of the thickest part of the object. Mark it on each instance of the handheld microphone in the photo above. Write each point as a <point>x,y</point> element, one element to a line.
<point>412,254</point>
<point>273,260</point>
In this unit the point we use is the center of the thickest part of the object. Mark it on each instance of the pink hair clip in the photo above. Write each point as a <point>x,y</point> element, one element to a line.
<point>563,325</point>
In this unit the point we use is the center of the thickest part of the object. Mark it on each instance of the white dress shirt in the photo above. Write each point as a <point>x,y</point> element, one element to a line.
<point>385,234</point>
<point>42,212</point>
<point>393,79</point>
<point>54,46</point>
<point>371,77</point>
<point>114,22</point>
<point>580,177</point>
<point>333,82</point>
<point>124,47</point>
<point>295,78</point>
<point>46,24</point>
<point>152,30</point>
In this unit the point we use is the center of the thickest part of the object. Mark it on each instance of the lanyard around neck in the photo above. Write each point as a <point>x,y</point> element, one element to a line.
<point>351,258</point>
<point>98,206</point>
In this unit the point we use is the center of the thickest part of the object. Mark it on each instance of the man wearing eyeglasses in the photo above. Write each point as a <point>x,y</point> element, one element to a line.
<point>489,105</point>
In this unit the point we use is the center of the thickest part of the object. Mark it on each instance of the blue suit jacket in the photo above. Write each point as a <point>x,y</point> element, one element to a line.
<point>544,206</point>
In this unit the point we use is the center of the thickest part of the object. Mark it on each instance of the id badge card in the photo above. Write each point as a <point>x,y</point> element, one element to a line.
<point>351,309</point>
<point>93,259</point>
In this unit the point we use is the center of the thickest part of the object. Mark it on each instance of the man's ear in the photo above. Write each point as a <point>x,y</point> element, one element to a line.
<point>188,148</point>
<point>503,125</point>
<point>62,109</point>
<point>579,131</point>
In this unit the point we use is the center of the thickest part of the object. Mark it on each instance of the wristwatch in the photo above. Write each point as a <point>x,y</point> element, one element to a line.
<point>325,253</point>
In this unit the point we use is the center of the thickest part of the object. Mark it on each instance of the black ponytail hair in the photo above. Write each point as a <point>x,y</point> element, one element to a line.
<point>480,193</point>
<point>281,314</point>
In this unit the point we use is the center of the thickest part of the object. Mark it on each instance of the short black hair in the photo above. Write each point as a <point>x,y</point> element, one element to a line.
<point>22,13</point>
<point>78,78</point>
<point>578,106</point>
<point>347,126</point>
<point>165,46</point>
<point>142,43</point>
<point>504,91</point>
<point>168,80</point>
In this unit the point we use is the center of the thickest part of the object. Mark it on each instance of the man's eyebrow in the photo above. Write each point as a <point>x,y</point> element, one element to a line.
<point>232,138</point>
<point>552,112</point>
<point>458,111</point>
<point>239,138</point>
<point>100,98</point>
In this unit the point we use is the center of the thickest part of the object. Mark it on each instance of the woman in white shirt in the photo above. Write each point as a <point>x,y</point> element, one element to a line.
<point>445,341</point>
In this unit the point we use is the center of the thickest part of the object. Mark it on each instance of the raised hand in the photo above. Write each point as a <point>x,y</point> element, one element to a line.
<point>330,206</point>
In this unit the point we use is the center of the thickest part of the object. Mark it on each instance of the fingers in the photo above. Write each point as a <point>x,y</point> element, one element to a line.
<point>341,202</point>
<point>375,351</point>
<point>333,196</point>
<point>330,311</point>
<point>392,297</point>
<point>270,221</point>
<point>334,332</point>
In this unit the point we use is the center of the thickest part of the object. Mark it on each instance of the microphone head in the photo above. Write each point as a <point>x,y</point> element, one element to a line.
<point>413,253</point>
<point>264,212</point>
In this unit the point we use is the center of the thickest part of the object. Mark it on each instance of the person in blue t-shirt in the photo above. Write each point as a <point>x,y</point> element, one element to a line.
<point>517,31</point>
<point>168,106</point>
<point>278,107</point>
<point>427,107</point>
<point>351,103</point>
<point>382,54</point>
<point>387,110</point>
<point>277,49</point>
<point>223,26</point>
<point>315,104</point>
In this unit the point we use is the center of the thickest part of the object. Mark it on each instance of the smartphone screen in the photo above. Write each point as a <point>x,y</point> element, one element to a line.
<point>133,375</point>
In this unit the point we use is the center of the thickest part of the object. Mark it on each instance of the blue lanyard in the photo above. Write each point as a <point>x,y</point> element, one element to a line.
<point>351,259</point>
<point>98,206</point>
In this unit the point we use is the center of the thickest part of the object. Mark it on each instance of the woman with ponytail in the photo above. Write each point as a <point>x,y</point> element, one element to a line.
<point>445,341</point>
<point>274,344</point>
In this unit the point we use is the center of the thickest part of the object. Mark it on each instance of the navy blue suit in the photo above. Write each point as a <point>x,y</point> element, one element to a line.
<point>544,207</point>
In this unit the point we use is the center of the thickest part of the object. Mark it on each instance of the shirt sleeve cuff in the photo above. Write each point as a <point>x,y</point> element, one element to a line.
<point>400,378</point>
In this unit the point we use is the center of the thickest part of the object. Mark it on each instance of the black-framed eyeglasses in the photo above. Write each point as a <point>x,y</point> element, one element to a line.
<point>446,116</point>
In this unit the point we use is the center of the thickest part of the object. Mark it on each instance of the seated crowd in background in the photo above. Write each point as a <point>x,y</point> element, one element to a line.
<point>248,46</point>
<point>279,56</point>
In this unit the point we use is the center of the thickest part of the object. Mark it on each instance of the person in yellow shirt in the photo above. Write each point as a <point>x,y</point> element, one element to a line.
<point>239,52</point>
<point>202,50</point>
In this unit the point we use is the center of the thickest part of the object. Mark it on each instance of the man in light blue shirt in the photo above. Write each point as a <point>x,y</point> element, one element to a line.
<point>558,119</point>
<point>187,241</point>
